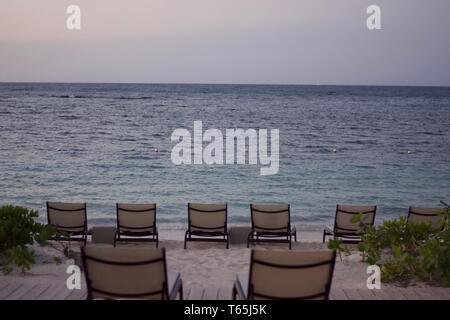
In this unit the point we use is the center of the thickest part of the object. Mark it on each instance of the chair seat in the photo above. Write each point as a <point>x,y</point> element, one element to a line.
<point>268,233</point>
<point>137,233</point>
<point>103,234</point>
<point>201,233</point>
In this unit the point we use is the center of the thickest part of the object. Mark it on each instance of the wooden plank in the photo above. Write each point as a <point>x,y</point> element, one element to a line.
<point>196,293</point>
<point>20,291</point>
<point>62,294</point>
<point>77,295</point>
<point>48,293</point>
<point>210,293</point>
<point>3,284</point>
<point>9,289</point>
<point>444,293</point>
<point>338,294</point>
<point>186,292</point>
<point>352,294</point>
<point>366,294</point>
<point>382,294</point>
<point>395,293</point>
<point>406,292</point>
<point>35,291</point>
<point>59,292</point>
<point>224,294</point>
<point>423,293</point>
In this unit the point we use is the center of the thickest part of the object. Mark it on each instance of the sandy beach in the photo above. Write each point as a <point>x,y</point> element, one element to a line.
<point>204,264</point>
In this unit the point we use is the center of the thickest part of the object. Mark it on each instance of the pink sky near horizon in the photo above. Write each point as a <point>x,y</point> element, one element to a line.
<point>233,41</point>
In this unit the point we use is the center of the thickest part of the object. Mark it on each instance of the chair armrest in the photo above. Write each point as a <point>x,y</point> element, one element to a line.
<point>328,230</point>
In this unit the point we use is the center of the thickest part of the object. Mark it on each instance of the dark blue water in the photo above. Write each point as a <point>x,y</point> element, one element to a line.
<point>102,143</point>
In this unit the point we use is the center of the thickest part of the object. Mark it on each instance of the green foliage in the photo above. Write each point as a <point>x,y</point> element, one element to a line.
<point>20,256</point>
<point>405,251</point>
<point>339,246</point>
<point>18,229</point>
<point>57,260</point>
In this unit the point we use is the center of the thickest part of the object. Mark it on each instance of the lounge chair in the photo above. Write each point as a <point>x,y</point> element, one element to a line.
<point>431,215</point>
<point>69,219</point>
<point>129,273</point>
<point>104,235</point>
<point>137,222</point>
<point>207,222</point>
<point>278,274</point>
<point>271,223</point>
<point>344,228</point>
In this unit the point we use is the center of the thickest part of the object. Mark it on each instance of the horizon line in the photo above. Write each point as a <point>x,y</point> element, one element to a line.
<point>228,84</point>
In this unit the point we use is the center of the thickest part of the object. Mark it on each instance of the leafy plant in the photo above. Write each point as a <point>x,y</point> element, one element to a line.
<point>339,246</point>
<point>405,251</point>
<point>18,230</point>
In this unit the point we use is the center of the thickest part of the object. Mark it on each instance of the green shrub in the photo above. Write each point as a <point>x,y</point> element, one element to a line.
<point>406,251</point>
<point>18,230</point>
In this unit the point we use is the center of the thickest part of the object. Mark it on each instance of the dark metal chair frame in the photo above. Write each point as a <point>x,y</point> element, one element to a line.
<point>206,232</point>
<point>352,236</point>
<point>72,235</point>
<point>271,235</point>
<point>165,294</point>
<point>411,212</point>
<point>251,294</point>
<point>137,236</point>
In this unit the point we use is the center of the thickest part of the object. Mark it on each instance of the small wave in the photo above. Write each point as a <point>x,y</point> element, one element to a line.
<point>71,117</point>
<point>78,96</point>
<point>364,167</point>
<point>429,133</point>
<point>139,157</point>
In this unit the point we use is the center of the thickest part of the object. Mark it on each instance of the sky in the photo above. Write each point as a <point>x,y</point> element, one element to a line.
<point>226,41</point>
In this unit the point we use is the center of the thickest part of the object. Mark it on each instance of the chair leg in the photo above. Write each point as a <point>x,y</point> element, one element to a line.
<point>290,242</point>
<point>228,242</point>
<point>250,236</point>
<point>157,240</point>
<point>323,239</point>
<point>234,293</point>
<point>185,239</point>
<point>181,291</point>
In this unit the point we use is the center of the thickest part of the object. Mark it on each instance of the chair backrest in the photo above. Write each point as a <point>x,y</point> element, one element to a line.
<point>431,215</point>
<point>125,272</point>
<point>136,217</point>
<point>70,217</point>
<point>207,217</point>
<point>344,214</point>
<point>271,217</point>
<point>291,274</point>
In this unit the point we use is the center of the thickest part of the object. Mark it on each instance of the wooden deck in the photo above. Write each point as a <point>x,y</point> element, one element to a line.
<point>17,290</point>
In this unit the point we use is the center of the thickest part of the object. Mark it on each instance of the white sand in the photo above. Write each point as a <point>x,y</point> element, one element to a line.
<point>204,263</point>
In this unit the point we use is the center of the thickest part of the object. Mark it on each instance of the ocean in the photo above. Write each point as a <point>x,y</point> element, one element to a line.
<point>108,143</point>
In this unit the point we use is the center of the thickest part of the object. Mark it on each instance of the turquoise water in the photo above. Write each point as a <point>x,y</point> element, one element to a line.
<point>102,143</point>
